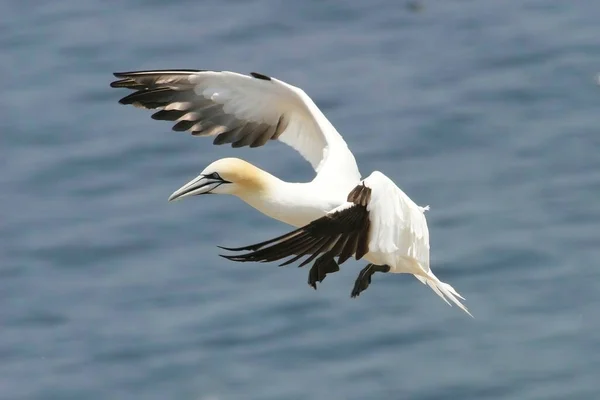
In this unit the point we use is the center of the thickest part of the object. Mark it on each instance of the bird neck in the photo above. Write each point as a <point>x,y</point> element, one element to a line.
<point>296,204</point>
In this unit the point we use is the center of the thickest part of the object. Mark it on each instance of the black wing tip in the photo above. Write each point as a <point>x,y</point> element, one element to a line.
<point>117,84</point>
<point>126,78</point>
<point>260,76</point>
<point>251,248</point>
<point>168,115</point>
<point>129,99</point>
<point>183,125</point>
<point>157,71</point>
<point>234,258</point>
<point>126,83</point>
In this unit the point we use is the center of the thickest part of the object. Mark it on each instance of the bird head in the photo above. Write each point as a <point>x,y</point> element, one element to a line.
<point>224,176</point>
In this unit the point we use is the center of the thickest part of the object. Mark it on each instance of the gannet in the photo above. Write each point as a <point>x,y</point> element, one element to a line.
<point>337,214</point>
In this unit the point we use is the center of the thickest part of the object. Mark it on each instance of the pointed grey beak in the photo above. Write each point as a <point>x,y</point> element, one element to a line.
<point>200,185</point>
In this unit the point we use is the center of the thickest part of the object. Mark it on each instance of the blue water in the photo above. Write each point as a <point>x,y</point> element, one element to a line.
<point>486,110</point>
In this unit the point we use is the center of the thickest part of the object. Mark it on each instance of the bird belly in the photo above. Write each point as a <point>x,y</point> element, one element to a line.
<point>398,264</point>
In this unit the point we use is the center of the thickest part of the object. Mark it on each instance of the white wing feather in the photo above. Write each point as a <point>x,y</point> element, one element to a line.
<point>286,112</point>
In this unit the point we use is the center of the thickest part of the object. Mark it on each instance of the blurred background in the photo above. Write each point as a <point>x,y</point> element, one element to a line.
<point>486,110</point>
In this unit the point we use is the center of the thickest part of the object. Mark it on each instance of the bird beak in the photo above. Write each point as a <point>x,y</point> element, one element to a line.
<point>200,185</point>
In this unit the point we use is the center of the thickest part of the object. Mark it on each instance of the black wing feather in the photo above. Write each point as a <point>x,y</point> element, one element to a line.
<point>160,89</point>
<point>342,234</point>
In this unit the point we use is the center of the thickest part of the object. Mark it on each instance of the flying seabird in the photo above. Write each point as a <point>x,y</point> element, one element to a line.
<point>337,214</point>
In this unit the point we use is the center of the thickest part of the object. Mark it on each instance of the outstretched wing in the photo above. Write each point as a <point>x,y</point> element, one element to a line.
<point>240,109</point>
<point>342,233</point>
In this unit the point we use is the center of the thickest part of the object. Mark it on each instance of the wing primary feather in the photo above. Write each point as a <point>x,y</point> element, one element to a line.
<point>288,113</point>
<point>362,246</point>
<point>168,115</point>
<point>264,137</point>
<point>348,249</point>
<point>127,83</point>
<point>310,248</point>
<point>250,135</point>
<point>183,126</point>
<point>262,244</point>
<point>229,136</point>
<point>343,233</point>
<point>282,124</point>
<point>282,250</point>
<point>161,95</point>
<point>323,249</point>
<point>292,245</point>
<point>339,245</point>
<point>181,71</point>
<point>316,247</point>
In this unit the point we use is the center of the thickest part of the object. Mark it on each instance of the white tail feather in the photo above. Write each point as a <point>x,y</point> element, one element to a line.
<point>444,290</point>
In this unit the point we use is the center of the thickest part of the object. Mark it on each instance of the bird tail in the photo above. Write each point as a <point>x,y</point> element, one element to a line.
<point>444,290</point>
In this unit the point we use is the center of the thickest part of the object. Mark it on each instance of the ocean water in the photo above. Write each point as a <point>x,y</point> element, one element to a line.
<point>488,111</point>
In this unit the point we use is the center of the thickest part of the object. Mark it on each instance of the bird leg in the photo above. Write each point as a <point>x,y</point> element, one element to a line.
<point>322,266</point>
<point>364,278</point>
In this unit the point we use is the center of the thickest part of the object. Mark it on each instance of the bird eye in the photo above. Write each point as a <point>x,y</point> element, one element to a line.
<point>214,175</point>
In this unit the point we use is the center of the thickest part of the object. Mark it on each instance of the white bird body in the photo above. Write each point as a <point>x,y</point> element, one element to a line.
<point>336,213</point>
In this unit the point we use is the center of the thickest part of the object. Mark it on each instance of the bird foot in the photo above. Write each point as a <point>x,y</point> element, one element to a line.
<point>364,278</point>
